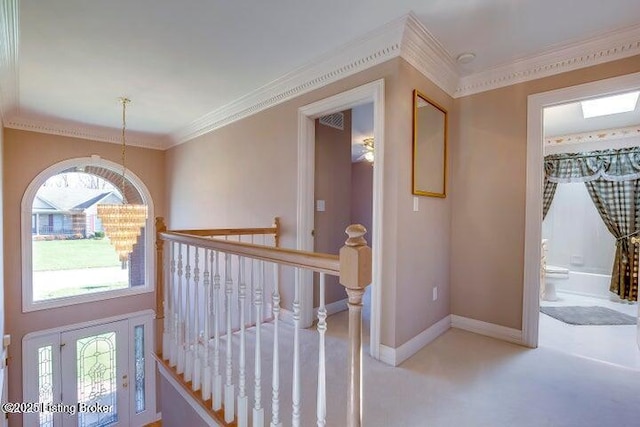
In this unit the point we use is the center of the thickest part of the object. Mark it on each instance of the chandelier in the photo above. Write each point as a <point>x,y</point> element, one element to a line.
<point>123,222</point>
<point>368,146</point>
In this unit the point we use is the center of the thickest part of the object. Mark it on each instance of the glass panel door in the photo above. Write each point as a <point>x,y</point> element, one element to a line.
<point>95,375</point>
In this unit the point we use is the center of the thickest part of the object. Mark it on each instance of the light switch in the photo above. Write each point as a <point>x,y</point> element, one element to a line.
<point>416,202</point>
<point>320,205</point>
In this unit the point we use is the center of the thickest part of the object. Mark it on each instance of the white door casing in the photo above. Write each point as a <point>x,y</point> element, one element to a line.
<point>61,354</point>
<point>534,184</point>
<point>370,92</point>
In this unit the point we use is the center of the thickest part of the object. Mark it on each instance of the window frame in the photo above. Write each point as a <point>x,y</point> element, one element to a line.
<point>28,304</point>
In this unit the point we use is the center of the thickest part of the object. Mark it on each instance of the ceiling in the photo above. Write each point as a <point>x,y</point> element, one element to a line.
<point>185,63</point>
<point>567,119</point>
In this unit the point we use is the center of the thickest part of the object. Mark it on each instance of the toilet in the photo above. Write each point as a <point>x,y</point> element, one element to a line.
<point>550,274</point>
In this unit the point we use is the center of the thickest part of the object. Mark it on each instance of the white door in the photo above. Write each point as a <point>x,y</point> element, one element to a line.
<point>95,375</point>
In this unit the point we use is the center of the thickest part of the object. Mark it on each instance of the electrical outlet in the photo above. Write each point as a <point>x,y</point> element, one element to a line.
<point>435,293</point>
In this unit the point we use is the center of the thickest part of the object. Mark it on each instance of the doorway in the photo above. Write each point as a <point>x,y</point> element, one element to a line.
<point>369,93</point>
<point>534,197</point>
<point>94,374</point>
<point>344,161</point>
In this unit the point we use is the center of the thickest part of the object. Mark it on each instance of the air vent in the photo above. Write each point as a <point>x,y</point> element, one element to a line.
<point>335,120</point>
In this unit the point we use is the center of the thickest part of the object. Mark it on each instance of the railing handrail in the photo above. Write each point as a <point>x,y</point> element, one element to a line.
<point>247,231</point>
<point>319,262</point>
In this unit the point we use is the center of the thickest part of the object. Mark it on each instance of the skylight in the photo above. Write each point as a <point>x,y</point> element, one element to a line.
<point>610,105</point>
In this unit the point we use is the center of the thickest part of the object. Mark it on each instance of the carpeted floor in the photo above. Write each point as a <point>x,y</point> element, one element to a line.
<point>462,380</point>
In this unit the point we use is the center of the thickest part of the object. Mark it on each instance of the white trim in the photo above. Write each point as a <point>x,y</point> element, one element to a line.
<point>426,54</point>
<point>373,48</point>
<point>334,307</point>
<point>186,396</point>
<point>87,131</point>
<point>94,322</point>
<point>33,340</point>
<point>26,237</point>
<point>404,37</point>
<point>9,22</point>
<point>571,56</point>
<point>395,356</point>
<point>487,329</point>
<point>370,92</point>
<point>534,184</point>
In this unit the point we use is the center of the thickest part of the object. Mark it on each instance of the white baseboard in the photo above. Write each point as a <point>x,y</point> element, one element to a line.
<point>333,308</point>
<point>286,316</point>
<point>487,329</point>
<point>395,356</point>
<point>186,396</point>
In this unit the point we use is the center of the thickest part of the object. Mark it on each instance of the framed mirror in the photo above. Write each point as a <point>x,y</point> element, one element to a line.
<point>429,147</point>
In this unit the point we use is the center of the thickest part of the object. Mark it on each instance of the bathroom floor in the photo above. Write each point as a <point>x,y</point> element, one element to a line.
<point>612,344</point>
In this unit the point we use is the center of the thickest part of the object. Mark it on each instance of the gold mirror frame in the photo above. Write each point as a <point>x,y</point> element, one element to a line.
<point>429,168</point>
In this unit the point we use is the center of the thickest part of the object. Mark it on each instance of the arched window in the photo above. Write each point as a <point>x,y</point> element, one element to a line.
<point>66,257</point>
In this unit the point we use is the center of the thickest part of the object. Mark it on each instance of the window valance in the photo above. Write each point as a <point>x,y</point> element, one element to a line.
<point>612,165</point>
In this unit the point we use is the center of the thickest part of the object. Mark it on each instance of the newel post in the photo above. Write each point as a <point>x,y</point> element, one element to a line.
<point>160,323</point>
<point>355,276</point>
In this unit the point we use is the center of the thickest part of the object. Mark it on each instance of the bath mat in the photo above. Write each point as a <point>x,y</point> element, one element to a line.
<point>592,315</point>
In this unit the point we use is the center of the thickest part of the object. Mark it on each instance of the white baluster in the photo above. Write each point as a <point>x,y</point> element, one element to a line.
<point>295,395</point>
<point>258,410</point>
<point>173,355</point>
<point>229,388</point>
<point>321,404</point>
<point>206,372</point>
<point>188,367</point>
<point>180,317</point>
<point>195,383</point>
<point>167,334</point>
<point>217,378</point>
<point>275,399</point>
<point>243,401</point>
<point>251,289</point>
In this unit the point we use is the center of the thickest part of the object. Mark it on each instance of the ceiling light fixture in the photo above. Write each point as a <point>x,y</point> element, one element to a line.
<point>465,58</point>
<point>123,222</point>
<point>609,105</point>
<point>368,146</point>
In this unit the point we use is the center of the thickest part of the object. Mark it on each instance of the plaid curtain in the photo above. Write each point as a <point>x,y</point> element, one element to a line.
<point>619,206</point>
<point>547,196</point>
<point>613,165</point>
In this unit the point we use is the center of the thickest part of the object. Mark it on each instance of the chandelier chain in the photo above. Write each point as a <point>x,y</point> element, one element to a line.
<point>124,101</point>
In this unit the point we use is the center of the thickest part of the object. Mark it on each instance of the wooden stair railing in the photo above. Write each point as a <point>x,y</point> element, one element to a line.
<point>212,289</point>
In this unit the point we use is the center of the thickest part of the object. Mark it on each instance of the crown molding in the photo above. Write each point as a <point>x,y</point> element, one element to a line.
<point>8,58</point>
<point>404,37</point>
<point>95,133</point>
<point>365,52</point>
<point>599,135</point>
<point>426,54</point>
<point>597,50</point>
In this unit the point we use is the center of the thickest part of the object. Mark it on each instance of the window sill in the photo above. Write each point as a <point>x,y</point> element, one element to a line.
<point>86,298</point>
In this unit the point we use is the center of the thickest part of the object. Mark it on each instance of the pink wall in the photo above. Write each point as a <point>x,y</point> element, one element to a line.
<point>362,196</point>
<point>25,155</point>
<point>489,138</point>
<point>245,173</point>
<point>333,186</point>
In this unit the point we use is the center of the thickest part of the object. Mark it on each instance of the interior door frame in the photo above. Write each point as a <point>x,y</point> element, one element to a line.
<point>369,93</point>
<point>33,340</point>
<point>534,184</point>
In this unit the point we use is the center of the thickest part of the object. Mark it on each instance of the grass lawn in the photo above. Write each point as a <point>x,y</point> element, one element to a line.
<point>73,254</point>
